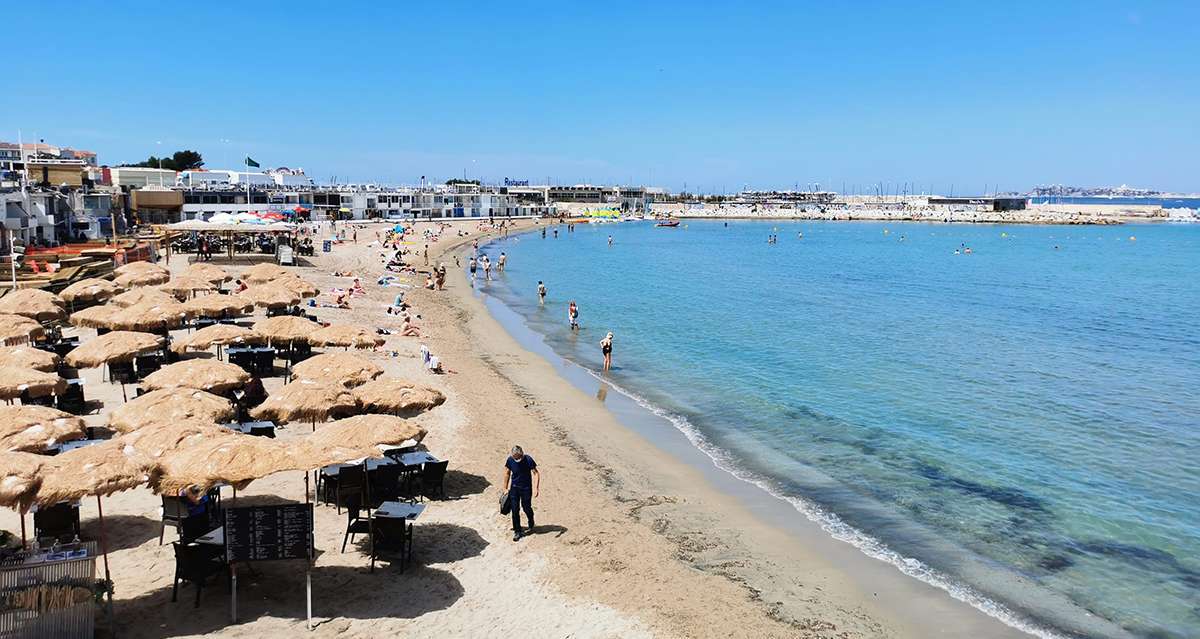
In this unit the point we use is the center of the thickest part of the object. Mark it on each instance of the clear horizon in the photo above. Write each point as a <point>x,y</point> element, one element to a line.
<point>715,98</point>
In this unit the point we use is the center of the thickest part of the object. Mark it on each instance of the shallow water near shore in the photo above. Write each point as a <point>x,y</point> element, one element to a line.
<point>1019,420</point>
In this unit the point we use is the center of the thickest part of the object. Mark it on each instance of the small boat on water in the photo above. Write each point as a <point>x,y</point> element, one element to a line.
<point>668,223</point>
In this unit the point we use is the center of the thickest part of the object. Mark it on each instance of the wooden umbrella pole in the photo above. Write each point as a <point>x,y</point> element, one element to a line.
<point>22,529</point>
<point>104,550</point>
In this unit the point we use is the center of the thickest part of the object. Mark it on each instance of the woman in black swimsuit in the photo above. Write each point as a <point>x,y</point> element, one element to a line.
<point>606,349</point>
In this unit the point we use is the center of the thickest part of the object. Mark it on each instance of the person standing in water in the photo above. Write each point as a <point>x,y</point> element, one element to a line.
<point>606,350</point>
<point>541,293</point>
<point>472,266</point>
<point>500,263</point>
<point>487,267</point>
<point>573,315</point>
<point>610,240</point>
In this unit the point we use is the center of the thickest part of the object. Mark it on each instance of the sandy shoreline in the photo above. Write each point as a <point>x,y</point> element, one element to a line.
<point>631,540</point>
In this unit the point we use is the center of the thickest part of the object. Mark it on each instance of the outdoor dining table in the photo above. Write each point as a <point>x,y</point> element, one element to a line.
<point>214,537</point>
<point>399,510</point>
<point>261,428</point>
<point>416,458</point>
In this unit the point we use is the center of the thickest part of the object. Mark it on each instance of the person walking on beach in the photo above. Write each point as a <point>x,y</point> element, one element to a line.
<point>573,316</point>
<point>606,350</point>
<point>541,293</point>
<point>522,482</point>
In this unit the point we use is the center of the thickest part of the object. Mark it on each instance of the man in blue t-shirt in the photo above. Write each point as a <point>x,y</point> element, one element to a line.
<point>522,481</point>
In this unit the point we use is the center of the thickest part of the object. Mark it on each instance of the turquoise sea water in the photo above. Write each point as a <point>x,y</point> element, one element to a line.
<point>1021,424</point>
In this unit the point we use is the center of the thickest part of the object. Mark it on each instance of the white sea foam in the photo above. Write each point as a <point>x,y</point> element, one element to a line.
<point>837,528</point>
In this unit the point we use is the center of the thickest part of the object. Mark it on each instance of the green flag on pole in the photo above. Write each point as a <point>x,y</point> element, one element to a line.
<point>250,162</point>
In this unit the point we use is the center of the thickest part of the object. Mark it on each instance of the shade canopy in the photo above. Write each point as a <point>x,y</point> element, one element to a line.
<point>182,286</point>
<point>346,335</point>
<point>150,316</point>
<point>286,328</point>
<point>28,357</point>
<point>218,305</point>
<point>295,284</point>
<point>90,289</point>
<point>389,395</point>
<point>33,303</point>
<point>141,274</point>
<point>209,272</point>
<point>17,329</point>
<point>20,475</point>
<point>142,295</point>
<point>264,272</point>
<point>201,374</point>
<point>117,346</point>
<point>102,316</point>
<point>99,469</point>
<point>265,296</point>
<point>355,437</point>
<point>217,334</point>
<point>36,428</point>
<point>234,459</point>
<point>342,368</point>
<point>15,380</point>
<point>169,406</point>
<point>306,401</point>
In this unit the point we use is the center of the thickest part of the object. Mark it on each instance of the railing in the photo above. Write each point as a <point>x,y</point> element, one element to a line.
<point>49,594</point>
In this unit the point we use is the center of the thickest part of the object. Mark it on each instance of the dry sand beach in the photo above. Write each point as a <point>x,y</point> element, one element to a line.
<point>630,542</point>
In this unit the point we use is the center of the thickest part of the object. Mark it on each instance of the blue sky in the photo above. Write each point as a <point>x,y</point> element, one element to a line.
<point>714,96</point>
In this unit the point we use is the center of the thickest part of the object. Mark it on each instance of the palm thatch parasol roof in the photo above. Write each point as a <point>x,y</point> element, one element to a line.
<point>20,475</point>
<point>35,428</point>
<point>209,272</point>
<point>33,303</point>
<point>102,316</point>
<point>347,336</point>
<point>149,316</point>
<point>16,329</point>
<point>141,274</point>
<point>117,346</point>
<point>264,272</point>
<point>99,469</point>
<point>295,284</point>
<point>202,374</point>
<point>217,334</point>
<point>167,406</point>
<point>15,380</point>
<point>306,401</point>
<point>90,289</point>
<point>286,328</point>
<point>353,438</point>
<point>234,459</point>
<point>218,305</point>
<point>142,295</point>
<point>182,286</point>
<point>341,368</point>
<point>156,440</point>
<point>28,357</point>
<point>397,396</point>
<point>269,296</point>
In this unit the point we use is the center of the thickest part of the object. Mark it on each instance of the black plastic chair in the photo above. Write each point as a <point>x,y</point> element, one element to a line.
<point>351,485</point>
<point>244,359</point>
<point>355,523</point>
<point>264,362</point>
<point>147,364</point>
<point>60,521</point>
<point>384,483</point>
<point>433,479</point>
<point>391,535</point>
<point>72,400</point>
<point>174,512</point>
<point>195,563</point>
<point>121,372</point>
<point>39,400</point>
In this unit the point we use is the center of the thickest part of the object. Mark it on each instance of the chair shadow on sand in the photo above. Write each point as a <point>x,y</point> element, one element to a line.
<point>276,589</point>
<point>459,484</point>
<point>122,531</point>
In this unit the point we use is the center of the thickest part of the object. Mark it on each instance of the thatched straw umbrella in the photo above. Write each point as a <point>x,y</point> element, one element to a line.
<point>142,295</point>
<point>20,475</point>
<point>117,346</point>
<point>101,316</point>
<point>33,303</point>
<point>306,401</point>
<point>158,439</point>
<point>172,405</point>
<point>91,289</point>
<point>234,459</point>
<point>295,284</point>
<point>286,329</point>
<point>15,380</point>
<point>218,305</point>
<point>269,296</point>
<point>35,428</point>
<point>28,357</point>
<point>353,438</point>
<point>342,368</point>
<point>183,286</point>
<point>209,272</point>
<point>100,469</point>
<point>149,316</point>
<point>264,272</point>
<point>347,336</point>
<point>216,335</point>
<point>141,274</point>
<point>397,396</point>
<point>16,329</point>
<point>201,374</point>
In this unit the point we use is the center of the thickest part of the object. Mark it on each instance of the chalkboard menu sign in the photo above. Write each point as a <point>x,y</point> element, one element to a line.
<point>262,533</point>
